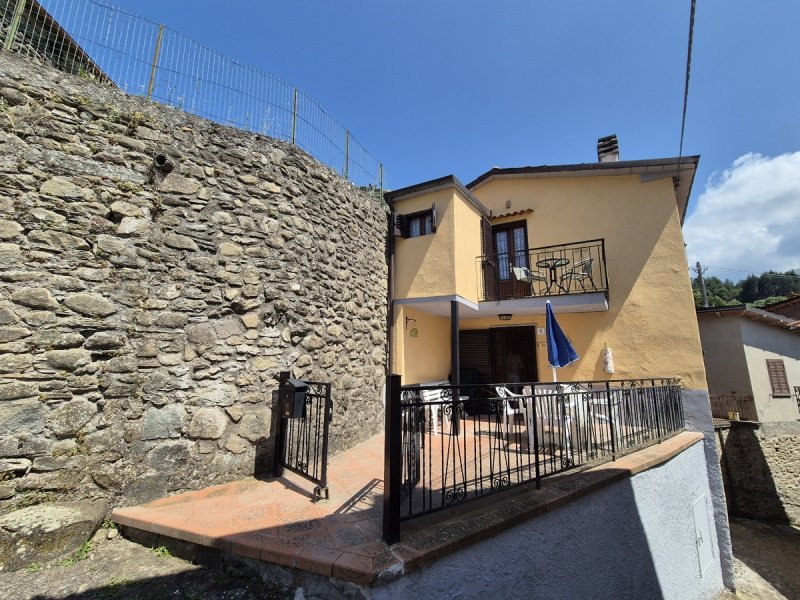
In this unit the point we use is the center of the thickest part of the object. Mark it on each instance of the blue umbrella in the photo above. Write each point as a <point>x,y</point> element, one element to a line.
<point>560,352</point>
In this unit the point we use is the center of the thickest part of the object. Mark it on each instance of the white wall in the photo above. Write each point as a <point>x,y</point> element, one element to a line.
<point>633,539</point>
<point>762,342</point>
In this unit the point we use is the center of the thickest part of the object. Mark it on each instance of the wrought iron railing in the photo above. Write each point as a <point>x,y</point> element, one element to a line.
<point>734,407</point>
<point>576,268</point>
<point>447,445</point>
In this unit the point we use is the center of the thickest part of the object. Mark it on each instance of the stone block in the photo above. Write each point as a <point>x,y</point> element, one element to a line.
<point>208,423</point>
<point>163,423</point>
<point>90,304</point>
<point>58,240</point>
<point>255,426</point>
<point>44,532</point>
<point>105,340</point>
<point>9,229</point>
<point>179,242</point>
<point>70,417</point>
<point>11,333</point>
<point>67,360</point>
<point>16,390</point>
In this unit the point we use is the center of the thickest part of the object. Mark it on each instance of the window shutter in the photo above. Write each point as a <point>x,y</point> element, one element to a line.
<point>399,225</point>
<point>433,218</point>
<point>777,377</point>
<point>489,266</point>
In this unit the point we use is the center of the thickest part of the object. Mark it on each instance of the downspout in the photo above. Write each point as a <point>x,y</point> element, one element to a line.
<point>390,294</point>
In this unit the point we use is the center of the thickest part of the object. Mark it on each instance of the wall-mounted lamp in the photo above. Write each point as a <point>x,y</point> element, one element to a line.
<point>414,331</point>
<point>505,316</point>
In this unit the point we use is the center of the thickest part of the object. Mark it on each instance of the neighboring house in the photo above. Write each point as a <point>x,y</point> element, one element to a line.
<point>27,28</point>
<point>755,353</point>
<point>788,308</point>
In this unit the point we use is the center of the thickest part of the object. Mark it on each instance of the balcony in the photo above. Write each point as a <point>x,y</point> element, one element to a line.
<point>573,276</point>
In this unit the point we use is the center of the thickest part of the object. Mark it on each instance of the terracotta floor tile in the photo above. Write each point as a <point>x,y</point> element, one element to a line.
<point>352,567</point>
<point>317,559</point>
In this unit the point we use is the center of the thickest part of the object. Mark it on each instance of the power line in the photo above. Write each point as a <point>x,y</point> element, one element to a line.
<point>781,275</point>
<point>686,85</point>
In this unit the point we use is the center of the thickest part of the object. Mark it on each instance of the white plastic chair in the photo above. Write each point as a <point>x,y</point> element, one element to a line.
<point>512,411</point>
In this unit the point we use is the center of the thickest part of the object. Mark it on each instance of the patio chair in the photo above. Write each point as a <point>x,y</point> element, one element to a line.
<point>514,405</point>
<point>525,275</point>
<point>579,273</point>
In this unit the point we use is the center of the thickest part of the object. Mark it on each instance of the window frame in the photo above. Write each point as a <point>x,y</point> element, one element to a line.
<point>778,381</point>
<point>421,216</point>
<point>513,252</point>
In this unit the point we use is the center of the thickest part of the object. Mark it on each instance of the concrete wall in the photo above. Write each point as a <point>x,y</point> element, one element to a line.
<point>425,265</point>
<point>144,316</point>
<point>762,342</point>
<point>723,355</point>
<point>761,465</point>
<point>634,539</point>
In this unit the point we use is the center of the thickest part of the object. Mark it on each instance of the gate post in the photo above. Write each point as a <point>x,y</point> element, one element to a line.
<point>392,461</point>
<point>280,432</point>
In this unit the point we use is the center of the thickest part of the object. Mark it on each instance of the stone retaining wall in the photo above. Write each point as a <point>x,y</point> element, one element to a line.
<point>761,467</point>
<point>147,306</point>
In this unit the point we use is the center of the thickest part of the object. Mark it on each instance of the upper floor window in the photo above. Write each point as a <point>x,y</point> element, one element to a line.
<point>416,224</point>
<point>419,224</point>
<point>777,377</point>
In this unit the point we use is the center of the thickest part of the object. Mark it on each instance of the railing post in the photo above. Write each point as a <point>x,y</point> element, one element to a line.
<point>535,438</point>
<point>380,180</point>
<point>392,461</point>
<point>280,432</point>
<point>294,118</point>
<point>346,153</point>
<point>611,422</point>
<point>154,66</point>
<point>14,26</point>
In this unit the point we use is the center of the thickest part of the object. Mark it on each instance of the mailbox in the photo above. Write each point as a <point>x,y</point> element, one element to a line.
<point>292,396</point>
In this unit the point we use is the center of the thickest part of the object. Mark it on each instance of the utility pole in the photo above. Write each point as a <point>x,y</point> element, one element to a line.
<point>700,270</point>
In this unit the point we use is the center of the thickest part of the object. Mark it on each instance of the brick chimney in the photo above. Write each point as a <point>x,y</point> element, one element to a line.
<point>608,148</point>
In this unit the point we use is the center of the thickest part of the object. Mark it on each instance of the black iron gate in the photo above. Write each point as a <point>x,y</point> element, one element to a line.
<point>301,446</point>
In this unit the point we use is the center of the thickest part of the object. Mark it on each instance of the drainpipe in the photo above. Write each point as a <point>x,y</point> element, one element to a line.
<point>389,296</point>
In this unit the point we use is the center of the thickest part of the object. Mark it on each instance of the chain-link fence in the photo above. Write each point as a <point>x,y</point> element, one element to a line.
<point>100,41</point>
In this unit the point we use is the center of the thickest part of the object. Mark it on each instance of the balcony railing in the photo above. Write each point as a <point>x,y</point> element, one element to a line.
<point>446,445</point>
<point>576,268</point>
<point>734,407</point>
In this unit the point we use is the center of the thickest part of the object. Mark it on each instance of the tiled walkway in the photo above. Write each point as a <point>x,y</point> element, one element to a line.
<point>276,521</point>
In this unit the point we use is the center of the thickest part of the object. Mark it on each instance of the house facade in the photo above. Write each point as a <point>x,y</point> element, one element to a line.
<point>602,242</point>
<point>473,266</point>
<point>755,353</point>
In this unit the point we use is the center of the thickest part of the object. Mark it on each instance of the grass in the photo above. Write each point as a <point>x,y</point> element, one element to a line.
<point>109,524</point>
<point>161,551</point>
<point>34,567</point>
<point>82,553</point>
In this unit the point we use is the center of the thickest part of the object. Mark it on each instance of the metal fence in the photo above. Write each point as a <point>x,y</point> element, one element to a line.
<point>100,41</point>
<point>560,270</point>
<point>734,407</point>
<point>448,444</point>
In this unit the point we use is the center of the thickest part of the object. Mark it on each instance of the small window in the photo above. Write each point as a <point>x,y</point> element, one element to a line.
<point>419,223</point>
<point>777,377</point>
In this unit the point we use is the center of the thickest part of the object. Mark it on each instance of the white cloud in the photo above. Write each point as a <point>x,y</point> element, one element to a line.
<point>748,217</point>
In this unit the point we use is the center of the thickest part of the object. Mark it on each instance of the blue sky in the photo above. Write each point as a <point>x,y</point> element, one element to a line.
<point>458,86</point>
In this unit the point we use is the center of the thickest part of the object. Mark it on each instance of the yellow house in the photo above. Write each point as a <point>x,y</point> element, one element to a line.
<point>474,265</point>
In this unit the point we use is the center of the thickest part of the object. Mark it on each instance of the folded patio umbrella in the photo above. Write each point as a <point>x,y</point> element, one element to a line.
<point>560,352</point>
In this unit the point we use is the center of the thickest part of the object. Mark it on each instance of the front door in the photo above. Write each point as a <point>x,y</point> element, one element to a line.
<point>513,354</point>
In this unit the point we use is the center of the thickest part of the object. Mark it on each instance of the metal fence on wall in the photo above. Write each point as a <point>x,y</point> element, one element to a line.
<point>100,41</point>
